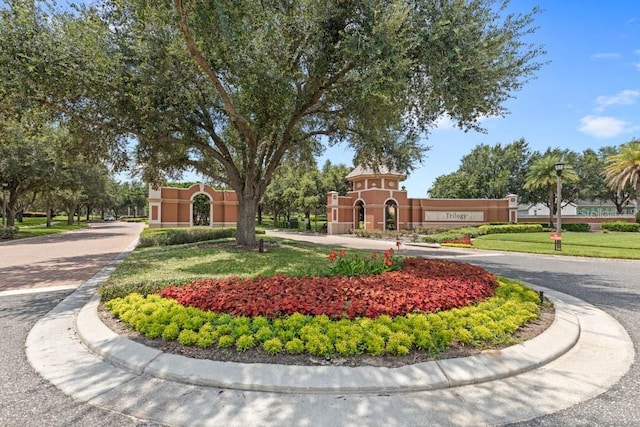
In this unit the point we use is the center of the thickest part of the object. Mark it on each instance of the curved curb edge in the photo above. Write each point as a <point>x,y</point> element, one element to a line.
<point>557,340</point>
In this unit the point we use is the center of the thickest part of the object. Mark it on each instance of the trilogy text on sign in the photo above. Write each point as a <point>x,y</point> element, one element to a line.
<point>475,216</point>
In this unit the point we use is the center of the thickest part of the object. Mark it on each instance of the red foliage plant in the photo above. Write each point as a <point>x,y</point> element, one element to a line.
<point>466,240</point>
<point>422,285</point>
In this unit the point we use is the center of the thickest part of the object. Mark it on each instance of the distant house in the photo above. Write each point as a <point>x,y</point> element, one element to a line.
<point>591,211</point>
<point>600,209</point>
<point>539,209</point>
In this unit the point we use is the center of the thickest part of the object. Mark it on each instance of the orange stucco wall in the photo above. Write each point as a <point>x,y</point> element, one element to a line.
<point>173,207</point>
<point>375,193</point>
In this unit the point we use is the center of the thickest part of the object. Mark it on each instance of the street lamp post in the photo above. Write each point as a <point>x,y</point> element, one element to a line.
<point>4,205</point>
<point>559,166</point>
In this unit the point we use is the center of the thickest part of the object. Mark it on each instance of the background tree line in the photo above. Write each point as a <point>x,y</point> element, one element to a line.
<point>609,174</point>
<point>43,173</point>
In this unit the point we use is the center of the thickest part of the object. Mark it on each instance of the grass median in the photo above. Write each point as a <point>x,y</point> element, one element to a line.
<point>596,244</point>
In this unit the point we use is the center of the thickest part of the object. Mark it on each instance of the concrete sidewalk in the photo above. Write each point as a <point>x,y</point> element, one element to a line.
<point>583,354</point>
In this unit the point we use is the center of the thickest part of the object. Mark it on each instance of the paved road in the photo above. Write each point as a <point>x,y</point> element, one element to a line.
<point>56,265</point>
<point>28,400</point>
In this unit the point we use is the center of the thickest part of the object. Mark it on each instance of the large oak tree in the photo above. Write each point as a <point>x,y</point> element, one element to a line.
<point>233,88</point>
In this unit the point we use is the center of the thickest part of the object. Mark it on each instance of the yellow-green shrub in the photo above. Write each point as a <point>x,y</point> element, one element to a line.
<point>491,322</point>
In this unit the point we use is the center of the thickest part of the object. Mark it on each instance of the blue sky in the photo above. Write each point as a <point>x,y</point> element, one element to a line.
<point>588,96</point>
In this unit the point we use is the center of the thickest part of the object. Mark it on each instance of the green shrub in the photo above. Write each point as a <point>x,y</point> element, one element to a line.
<point>319,344</point>
<point>453,234</point>
<point>272,346</point>
<point>244,343</point>
<point>374,344</point>
<point>399,343</point>
<point>294,346</point>
<point>206,336</point>
<point>8,232</point>
<point>171,332</point>
<point>511,228</point>
<point>188,337</point>
<point>226,341</point>
<point>177,236</point>
<point>263,334</point>
<point>579,227</point>
<point>621,226</point>
<point>349,265</point>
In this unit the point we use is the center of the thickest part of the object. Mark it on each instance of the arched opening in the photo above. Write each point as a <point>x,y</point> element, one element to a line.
<point>391,215</point>
<point>201,215</point>
<point>359,223</point>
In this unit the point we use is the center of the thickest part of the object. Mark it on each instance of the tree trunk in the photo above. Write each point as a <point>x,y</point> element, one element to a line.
<point>307,215</point>
<point>259,214</point>
<point>246,224</point>
<point>49,215</point>
<point>11,209</point>
<point>70,214</point>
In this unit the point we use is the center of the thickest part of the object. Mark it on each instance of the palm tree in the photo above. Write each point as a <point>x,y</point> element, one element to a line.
<point>542,175</point>
<point>623,169</point>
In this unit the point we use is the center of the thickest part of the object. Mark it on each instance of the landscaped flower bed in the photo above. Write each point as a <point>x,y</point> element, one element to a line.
<point>422,285</point>
<point>492,322</point>
<point>376,305</point>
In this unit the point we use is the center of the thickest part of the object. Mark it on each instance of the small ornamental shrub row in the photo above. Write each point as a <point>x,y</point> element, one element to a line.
<point>8,232</point>
<point>374,234</point>
<point>621,226</point>
<point>424,285</point>
<point>455,235</point>
<point>491,322</point>
<point>464,242</point>
<point>178,236</point>
<point>578,227</point>
<point>511,228</point>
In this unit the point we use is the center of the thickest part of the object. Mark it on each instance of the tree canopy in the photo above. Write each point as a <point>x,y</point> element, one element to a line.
<point>487,172</point>
<point>231,89</point>
<point>543,176</point>
<point>623,169</point>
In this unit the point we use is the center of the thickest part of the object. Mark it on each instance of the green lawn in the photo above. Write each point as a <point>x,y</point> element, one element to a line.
<point>605,245</point>
<point>158,266</point>
<point>33,227</point>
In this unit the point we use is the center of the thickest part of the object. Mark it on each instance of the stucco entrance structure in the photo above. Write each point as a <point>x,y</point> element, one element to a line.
<point>174,207</point>
<point>377,202</point>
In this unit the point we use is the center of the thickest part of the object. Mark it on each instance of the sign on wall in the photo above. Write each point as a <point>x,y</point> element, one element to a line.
<point>454,216</point>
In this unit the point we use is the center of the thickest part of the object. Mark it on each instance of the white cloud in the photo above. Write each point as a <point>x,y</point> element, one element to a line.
<point>626,97</point>
<point>602,126</point>
<point>605,55</point>
<point>444,122</point>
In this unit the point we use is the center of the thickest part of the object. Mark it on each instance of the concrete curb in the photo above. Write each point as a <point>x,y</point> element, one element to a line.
<point>548,346</point>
